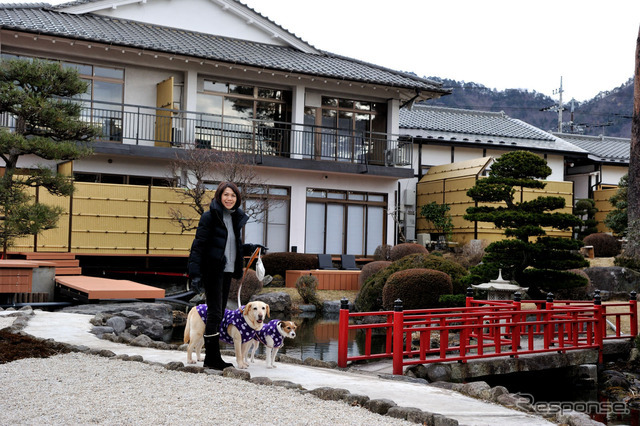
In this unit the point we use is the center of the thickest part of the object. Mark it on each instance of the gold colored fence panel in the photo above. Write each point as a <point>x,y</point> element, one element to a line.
<point>109,218</point>
<point>601,198</point>
<point>452,190</point>
<point>165,236</point>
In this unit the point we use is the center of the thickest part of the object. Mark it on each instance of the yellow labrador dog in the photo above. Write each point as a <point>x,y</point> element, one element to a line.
<point>238,327</point>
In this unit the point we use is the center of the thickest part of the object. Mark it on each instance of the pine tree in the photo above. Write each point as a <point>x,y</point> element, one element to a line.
<point>530,257</point>
<point>41,121</point>
<point>586,210</point>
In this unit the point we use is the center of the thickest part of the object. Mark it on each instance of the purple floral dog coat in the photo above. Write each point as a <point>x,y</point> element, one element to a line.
<point>202,311</point>
<point>270,329</point>
<point>231,317</point>
<point>235,317</point>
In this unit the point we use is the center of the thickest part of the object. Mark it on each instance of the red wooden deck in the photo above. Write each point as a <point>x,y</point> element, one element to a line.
<point>95,288</point>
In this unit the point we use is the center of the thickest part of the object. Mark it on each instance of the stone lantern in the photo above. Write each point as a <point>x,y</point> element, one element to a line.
<point>500,289</point>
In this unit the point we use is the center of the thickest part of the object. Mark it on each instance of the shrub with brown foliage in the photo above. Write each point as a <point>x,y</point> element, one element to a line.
<point>382,252</point>
<point>279,262</point>
<point>371,268</point>
<point>307,286</point>
<point>401,250</point>
<point>473,251</point>
<point>251,285</point>
<point>604,245</point>
<point>417,288</point>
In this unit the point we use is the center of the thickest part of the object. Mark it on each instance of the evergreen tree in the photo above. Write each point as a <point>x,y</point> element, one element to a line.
<point>529,257</point>
<point>586,210</point>
<point>616,219</point>
<point>44,123</point>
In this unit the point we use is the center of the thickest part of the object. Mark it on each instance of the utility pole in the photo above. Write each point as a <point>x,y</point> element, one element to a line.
<point>559,91</point>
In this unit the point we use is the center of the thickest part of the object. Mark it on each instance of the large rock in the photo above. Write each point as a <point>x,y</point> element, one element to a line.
<point>129,320</point>
<point>613,281</point>
<point>278,301</point>
<point>117,323</point>
<point>148,327</point>
<point>161,312</point>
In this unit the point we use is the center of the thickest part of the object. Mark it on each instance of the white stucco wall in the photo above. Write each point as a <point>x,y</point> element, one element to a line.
<point>611,174</point>
<point>203,16</point>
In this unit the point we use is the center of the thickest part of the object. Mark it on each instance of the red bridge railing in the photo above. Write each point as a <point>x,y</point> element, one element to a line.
<point>485,329</point>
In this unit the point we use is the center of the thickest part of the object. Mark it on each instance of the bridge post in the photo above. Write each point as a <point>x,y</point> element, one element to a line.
<point>633,307</point>
<point>343,333</point>
<point>469,297</point>
<point>600,324</point>
<point>516,322</point>
<point>548,325</point>
<point>398,347</point>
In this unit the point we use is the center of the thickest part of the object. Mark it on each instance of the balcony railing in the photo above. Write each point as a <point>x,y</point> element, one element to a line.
<point>141,125</point>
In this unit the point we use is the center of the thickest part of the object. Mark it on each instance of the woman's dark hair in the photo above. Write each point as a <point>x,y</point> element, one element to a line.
<point>224,185</point>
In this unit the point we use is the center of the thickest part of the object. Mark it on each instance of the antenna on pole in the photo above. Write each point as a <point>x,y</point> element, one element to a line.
<point>560,108</point>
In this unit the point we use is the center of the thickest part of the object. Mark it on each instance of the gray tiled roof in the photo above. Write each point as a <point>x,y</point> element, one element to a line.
<point>126,33</point>
<point>601,148</point>
<point>469,127</point>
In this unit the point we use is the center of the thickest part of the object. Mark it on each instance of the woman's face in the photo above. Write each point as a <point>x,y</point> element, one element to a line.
<point>228,198</point>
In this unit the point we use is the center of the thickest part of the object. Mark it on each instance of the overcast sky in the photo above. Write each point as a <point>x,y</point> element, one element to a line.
<point>498,43</point>
<point>502,44</point>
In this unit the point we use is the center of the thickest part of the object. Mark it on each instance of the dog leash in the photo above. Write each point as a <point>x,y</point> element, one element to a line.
<point>254,256</point>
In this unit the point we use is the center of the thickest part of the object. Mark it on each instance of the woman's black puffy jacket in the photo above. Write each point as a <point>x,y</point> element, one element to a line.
<point>207,249</point>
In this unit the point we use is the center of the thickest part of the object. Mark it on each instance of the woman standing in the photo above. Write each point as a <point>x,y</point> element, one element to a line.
<point>216,257</point>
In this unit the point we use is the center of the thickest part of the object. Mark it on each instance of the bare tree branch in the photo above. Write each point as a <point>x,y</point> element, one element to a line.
<point>196,169</point>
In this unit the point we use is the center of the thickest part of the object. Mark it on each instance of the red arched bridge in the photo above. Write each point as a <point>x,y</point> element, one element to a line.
<point>486,329</point>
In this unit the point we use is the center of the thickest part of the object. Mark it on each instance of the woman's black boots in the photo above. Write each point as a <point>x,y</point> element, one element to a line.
<point>212,358</point>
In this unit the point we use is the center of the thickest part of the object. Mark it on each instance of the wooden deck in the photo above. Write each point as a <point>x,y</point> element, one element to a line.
<point>65,262</point>
<point>327,279</point>
<point>16,278</point>
<point>84,288</point>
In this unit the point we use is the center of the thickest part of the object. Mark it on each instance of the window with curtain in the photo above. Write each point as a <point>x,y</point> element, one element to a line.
<point>271,227</point>
<point>344,222</point>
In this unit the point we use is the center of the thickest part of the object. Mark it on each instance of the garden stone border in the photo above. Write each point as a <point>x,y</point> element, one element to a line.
<point>378,406</point>
<point>479,389</point>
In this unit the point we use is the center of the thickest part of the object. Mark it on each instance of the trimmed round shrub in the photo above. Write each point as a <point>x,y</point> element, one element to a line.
<point>279,262</point>
<point>371,268</point>
<point>604,245</point>
<point>369,298</point>
<point>417,288</point>
<point>307,286</point>
<point>405,249</point>
<point>251,285</point>
<point>382,252</point>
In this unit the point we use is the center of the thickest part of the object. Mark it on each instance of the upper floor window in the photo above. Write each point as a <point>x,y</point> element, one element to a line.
<point>238,102</point>
<point>104,96</point>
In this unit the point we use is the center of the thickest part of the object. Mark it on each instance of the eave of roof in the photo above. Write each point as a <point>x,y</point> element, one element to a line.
<point>42,20</point>
<point>605,149</point>
<point>479,128</point>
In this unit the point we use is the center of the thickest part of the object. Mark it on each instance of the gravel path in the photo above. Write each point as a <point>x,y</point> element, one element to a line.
<point>81,389</point>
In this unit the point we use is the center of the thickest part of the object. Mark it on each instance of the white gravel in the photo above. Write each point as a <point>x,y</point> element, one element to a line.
<point>81,389</point>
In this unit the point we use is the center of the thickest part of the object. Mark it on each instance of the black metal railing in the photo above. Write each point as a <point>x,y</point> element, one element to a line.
<point>141,125</point>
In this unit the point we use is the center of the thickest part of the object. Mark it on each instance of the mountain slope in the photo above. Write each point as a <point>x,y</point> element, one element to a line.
<point>608,113</point>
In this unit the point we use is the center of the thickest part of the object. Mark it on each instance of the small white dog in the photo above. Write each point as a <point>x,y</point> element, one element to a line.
<point>272,336</point>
